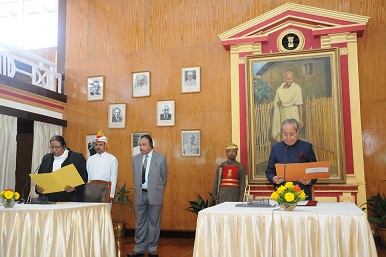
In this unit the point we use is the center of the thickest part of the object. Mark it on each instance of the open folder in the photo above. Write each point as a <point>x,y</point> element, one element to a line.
<point>57,180</point>
<point>310,170</point>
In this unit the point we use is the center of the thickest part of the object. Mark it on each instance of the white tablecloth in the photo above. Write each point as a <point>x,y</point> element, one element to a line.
<point>328,229</point>
<point>63,229</point>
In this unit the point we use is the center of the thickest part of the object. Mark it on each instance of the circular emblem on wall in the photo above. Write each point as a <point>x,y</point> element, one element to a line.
<point>290,40</point>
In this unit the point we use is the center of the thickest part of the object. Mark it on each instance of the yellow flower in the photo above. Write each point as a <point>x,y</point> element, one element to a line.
<point>8,194</point>
<point>280,189</point>
<point>275,195</point>
<point>289,197</point>
<point>302,195</point>
<point>289,184</point>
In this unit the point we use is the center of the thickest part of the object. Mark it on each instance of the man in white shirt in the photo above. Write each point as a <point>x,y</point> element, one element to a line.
<point>102,165</point>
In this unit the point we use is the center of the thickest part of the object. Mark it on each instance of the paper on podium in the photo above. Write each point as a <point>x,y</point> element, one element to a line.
<point>310,170</point>
<point>56,181</point>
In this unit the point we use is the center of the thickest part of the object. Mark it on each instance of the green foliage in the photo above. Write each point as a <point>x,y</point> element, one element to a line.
<point>123,196</point>
<point>377,207</point>
<point>200,204</point>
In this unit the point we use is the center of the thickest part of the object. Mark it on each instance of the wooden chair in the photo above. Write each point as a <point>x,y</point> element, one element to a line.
<point>97,191</point>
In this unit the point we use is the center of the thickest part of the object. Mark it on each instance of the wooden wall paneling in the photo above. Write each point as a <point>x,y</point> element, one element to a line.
<point>372,68</point>
<point>372,64</point>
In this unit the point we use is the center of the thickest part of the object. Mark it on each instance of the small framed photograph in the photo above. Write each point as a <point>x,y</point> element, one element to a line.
<point>117,115</point>
<point>191,80</point>
<point>90,143</point>
<point>191,145</point>
<point>141,84</point>
<point>95,88</point>
<point>135,141</point>
<point>165,113</point>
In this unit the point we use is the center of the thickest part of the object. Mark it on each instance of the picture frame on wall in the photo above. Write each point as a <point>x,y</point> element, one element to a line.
<point>135,136</point>
<point>141,84</point>
<point>165,113</point>
<point>117,115</point>
<point>95,88</point>
<point>90,143</point>
<point>191,142</point>
<point>316,78</point>
<point>190,80</point>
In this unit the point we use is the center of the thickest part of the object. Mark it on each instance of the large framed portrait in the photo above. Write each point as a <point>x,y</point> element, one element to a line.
<point>141,84</point>
<point>90,144</point>
<point>191,80</point>
<point>165,113</point>
<point>191,142</point>
<point>314,99</point>
<point>95,88</point>
<point>117,115</point>
<point>135,142</point>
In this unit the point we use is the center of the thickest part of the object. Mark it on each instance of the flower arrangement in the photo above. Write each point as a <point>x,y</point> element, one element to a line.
<point>289,193</point>
<point>9,194</point>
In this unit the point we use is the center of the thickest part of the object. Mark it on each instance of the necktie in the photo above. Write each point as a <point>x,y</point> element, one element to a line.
<point>144,169</point>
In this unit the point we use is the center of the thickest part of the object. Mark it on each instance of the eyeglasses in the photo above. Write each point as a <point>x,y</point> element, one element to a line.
<point>55,147</point>
<point>291,135</point>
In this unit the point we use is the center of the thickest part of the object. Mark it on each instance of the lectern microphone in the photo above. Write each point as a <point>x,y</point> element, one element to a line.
<point>23,191</point>
<point>285,160</point>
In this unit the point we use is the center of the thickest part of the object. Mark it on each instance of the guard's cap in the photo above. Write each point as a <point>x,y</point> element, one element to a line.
<point>232,146</point>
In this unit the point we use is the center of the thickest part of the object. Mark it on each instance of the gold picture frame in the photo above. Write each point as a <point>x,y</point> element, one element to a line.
<point>317,72</point>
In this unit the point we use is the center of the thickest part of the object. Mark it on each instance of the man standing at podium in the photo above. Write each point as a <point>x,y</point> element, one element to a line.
<point>232,183</point>
<point>291,150</point>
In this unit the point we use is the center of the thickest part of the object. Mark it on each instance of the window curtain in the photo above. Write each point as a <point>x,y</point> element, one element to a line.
<point>8,132</point>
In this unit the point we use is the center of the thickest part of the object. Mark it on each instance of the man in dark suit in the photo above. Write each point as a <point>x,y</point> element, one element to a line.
<point>291,150</point>
<point>149,173</point>
<point>165,113</point>
<point>59,157</point>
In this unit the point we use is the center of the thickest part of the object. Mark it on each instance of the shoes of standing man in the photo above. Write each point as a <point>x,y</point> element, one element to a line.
<point>153,254</point>
<point>135,254</point>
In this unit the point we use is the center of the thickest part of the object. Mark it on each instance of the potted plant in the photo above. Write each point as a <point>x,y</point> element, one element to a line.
<point>200,204</point>
<point>123,196</point>
<point>376,206</point>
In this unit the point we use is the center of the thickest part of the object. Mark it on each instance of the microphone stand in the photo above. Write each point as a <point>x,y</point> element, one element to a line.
<point>285,161</point>
<point>21,200</point>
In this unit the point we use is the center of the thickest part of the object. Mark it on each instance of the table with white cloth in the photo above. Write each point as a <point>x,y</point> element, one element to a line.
<point>60,230</point>
<point>327,229</point>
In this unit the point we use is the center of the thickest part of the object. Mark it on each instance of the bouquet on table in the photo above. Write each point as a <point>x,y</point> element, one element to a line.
<point>10,196</point>
<point>288,195</point>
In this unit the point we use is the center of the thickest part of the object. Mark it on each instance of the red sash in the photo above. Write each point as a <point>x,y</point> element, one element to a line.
<point>230,176</point>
